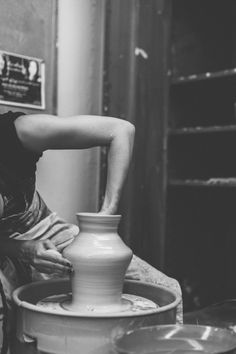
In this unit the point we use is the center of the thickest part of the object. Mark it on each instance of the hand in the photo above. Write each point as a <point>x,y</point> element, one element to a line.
<point>108,208</point>
<point>44,256</point>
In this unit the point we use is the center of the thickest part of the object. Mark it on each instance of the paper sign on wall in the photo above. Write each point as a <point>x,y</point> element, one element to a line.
<point>22,81</point>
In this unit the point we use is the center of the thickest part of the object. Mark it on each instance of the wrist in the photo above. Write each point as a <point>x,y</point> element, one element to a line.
<point>23,250</point>
<point>110,206</point>
<point>12,248</point>
<point>108,211</point>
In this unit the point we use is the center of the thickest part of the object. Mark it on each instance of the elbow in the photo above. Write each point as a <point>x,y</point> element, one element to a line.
<point>130,133</point>
<point>126,132</point>
<point>122,131</point>
<point>129,129</point>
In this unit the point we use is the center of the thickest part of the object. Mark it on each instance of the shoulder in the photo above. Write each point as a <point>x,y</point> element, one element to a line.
<point>7,119</point>
<point>10,116</point>
<point>14,156</point>
<point>34,130</point>
<point>7,129</point>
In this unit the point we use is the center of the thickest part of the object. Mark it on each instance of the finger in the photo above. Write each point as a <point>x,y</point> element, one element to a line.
<point>49,245</point>
<point>50,267</point>
<point>55,257</point>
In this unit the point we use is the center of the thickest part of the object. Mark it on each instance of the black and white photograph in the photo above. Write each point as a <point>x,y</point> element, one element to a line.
<point>117,177</point>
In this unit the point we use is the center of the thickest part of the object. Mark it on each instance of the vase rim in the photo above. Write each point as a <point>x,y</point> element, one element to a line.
<point>99,216</point>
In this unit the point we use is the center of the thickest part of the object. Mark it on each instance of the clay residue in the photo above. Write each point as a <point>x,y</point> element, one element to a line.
<point>137,303</point>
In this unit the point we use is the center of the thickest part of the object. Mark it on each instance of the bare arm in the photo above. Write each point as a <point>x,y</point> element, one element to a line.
<point>43,132</point>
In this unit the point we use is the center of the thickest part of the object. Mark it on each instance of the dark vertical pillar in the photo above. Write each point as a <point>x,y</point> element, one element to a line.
<point>134,89</point>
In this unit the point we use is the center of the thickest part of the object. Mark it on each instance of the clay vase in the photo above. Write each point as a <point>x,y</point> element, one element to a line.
<point>100,259</point>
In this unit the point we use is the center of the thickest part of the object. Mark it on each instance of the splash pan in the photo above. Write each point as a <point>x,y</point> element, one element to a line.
<point>62,332</point>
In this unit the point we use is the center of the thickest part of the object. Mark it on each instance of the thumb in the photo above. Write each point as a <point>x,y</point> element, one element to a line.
<point>49,245</point>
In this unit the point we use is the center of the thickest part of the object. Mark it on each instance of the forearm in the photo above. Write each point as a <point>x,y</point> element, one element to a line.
<point>119,157</point>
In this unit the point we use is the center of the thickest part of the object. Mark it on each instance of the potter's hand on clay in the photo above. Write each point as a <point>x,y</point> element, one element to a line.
<point>107,211</point>
<point>44,256</point>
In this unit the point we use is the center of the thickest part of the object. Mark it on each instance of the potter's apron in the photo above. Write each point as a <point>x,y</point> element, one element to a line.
<point>35,222</point>
<point>141,270</point>
<point>13,272</point>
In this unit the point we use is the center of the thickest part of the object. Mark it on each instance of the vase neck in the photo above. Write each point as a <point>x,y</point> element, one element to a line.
<point>98,222</point>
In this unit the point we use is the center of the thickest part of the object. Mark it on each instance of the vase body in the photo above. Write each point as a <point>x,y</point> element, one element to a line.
<point>100,259</point>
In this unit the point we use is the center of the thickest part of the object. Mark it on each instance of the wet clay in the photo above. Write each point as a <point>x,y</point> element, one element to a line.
<point>100,259</point>
<point>132,304</point>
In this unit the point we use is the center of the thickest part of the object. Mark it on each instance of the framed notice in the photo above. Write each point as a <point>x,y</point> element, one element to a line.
<point>22,81</point>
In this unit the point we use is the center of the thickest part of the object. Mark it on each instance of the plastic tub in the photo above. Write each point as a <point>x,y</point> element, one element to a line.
<point>178,339</point>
